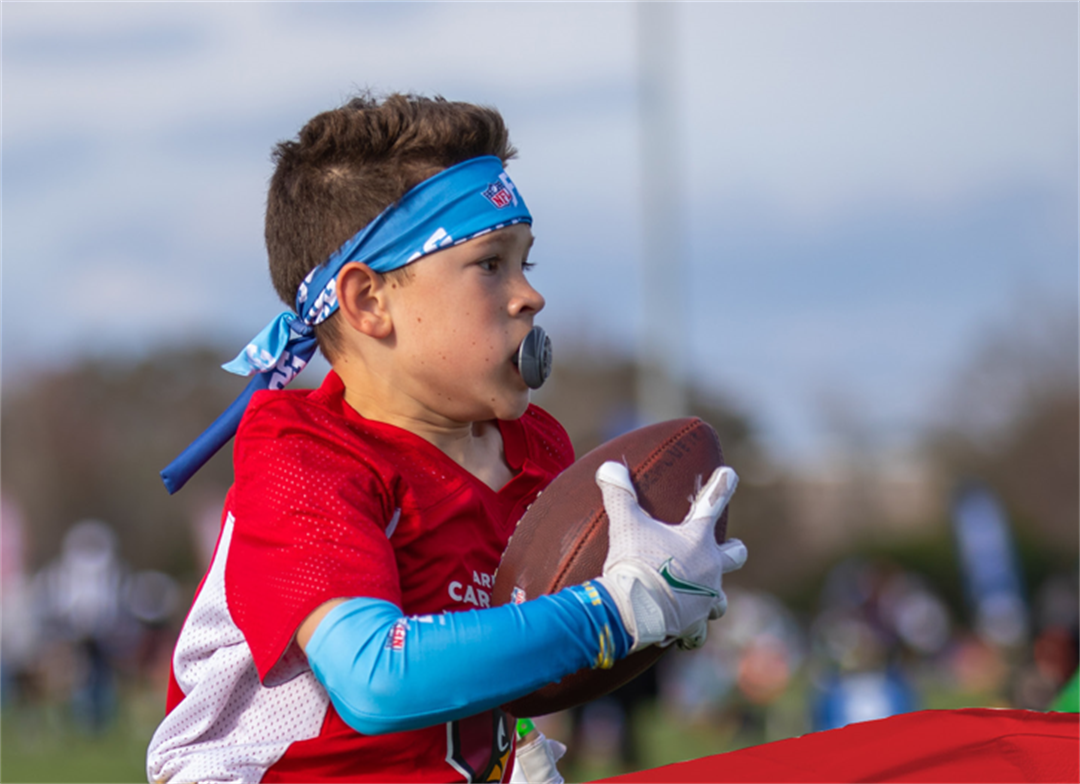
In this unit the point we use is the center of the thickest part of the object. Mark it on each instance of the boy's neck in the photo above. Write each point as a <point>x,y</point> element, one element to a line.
<point>475,446</point>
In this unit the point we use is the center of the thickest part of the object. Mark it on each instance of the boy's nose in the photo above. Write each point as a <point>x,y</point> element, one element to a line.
<point>527,300</point>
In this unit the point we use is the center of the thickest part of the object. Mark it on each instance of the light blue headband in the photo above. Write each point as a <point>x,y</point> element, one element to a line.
<point>454,206</point>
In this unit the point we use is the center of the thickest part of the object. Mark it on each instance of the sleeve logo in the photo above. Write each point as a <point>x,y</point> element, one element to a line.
<point>396,640</point>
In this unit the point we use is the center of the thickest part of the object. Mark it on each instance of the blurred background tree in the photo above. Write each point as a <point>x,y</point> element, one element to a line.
<point>88,442</point>
<point>1012,419</point>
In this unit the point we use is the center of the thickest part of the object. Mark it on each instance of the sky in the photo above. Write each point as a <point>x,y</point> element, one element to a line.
<point>865,190</point>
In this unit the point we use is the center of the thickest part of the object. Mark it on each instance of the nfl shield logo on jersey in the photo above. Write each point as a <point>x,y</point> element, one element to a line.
<point>396,640</point>
<point>499,195</point>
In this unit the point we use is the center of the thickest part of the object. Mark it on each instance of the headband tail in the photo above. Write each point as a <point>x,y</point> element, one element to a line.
<point>179,471</point>
<point>176,474</point>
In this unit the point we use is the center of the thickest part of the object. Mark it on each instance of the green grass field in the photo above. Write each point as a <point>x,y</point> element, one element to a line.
<point>40,744</point>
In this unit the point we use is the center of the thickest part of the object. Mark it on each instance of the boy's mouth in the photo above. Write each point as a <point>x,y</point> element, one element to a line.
<point>514,362</point>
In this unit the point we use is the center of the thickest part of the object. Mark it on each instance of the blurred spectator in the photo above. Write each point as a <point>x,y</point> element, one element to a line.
<point>870,611</point>
<point>152,598</point>
<point>1057,603</point>
<point>18,628</point>
<point>610,726</point>
<point>853,630</point>
<point>977,667</point>
<point>846,641</point>
<point>916,614</point>
<point>1056,648</point>
<point>747,661</point>
<point>851,697</point>
<point>79,596</point>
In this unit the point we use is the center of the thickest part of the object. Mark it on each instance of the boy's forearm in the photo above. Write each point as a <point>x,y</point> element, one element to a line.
<point>388,673</point>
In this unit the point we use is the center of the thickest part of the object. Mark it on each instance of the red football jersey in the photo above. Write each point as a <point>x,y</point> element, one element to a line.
<point>327,504</point>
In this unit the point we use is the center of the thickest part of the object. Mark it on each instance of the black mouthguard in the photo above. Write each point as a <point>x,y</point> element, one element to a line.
<point>534,358</point>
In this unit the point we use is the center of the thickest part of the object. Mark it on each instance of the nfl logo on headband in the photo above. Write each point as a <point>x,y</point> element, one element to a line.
<point>499,195</point>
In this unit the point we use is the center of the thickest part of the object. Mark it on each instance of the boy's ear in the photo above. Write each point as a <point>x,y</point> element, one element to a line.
<point>361,297</point>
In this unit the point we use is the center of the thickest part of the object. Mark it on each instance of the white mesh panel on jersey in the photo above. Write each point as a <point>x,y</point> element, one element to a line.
<point>230,727</point>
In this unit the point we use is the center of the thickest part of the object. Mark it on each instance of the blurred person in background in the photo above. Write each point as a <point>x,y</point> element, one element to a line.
<point>18,630</point>
<point>152,598</point>
<point>869,608</point>
<point>915,614</point>
<point>743,673</point>
<point>80,604</point>
<point>1052,658</point>
<point>612,723</point>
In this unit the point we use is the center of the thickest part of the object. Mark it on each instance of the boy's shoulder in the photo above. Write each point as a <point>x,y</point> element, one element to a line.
<point>548,439</point>
<point>314,431</point>
<point>300,449</point>
<point>294,412</point>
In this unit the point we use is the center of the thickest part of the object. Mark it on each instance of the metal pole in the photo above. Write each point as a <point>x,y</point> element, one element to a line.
<point>661,391</point>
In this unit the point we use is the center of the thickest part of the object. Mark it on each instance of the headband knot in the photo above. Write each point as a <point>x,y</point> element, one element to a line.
<point>267,348</point>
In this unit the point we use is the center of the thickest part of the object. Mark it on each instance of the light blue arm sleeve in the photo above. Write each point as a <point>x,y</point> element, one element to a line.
<point>388,673</point>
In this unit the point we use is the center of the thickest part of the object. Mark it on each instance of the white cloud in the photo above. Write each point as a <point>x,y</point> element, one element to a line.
<point>223,61</point>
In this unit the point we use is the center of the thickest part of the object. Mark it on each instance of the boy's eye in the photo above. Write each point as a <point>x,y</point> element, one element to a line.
<point>493,263</point>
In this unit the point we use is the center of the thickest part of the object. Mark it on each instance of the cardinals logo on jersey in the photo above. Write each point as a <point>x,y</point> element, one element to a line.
<point>479,747</point>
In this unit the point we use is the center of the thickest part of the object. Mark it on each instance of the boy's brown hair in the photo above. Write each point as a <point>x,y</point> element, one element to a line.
<point>348,164</point>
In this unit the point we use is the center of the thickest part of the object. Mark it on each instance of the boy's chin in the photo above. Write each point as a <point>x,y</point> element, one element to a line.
<point>513,408</point>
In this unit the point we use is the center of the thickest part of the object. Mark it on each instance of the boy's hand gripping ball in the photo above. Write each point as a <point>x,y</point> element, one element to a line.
<point>562,539</point>
<point>667,579</point>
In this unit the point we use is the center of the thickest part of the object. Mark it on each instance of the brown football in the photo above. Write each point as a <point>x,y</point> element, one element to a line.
<point>562,539</point>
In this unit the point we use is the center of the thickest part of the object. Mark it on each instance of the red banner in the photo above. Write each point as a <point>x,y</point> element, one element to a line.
<point>970,745</point>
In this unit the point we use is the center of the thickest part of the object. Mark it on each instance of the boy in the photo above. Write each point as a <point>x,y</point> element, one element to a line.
<point>342,632</point>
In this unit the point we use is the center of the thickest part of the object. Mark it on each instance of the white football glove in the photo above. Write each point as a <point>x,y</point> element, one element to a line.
<point>666,579</point>
<point>534,761</point>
